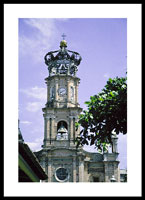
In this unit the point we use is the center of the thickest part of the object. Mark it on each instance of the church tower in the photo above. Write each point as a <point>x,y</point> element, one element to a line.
<point>62,108</point>
<point>59,157</point>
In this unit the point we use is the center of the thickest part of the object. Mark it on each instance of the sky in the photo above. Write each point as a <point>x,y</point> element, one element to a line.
<point>102,44</point>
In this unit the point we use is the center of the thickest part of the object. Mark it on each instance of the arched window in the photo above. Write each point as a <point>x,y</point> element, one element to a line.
<point>61,123</point>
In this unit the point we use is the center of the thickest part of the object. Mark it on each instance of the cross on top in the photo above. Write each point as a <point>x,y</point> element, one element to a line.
<point>63,36</point>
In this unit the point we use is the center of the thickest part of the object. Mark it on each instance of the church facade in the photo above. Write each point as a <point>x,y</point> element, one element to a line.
<point>59,157</point>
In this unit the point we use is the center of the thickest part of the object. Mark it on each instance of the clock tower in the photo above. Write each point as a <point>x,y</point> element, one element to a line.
<point>62,108</point>
<point>59,157</point>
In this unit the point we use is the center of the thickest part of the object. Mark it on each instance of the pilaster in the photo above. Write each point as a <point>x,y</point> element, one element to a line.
<point>49,170</point>
<point>46,125</point>
<point>81,169</point>
<point>74,170</point>
<point>48,90</point>
<point>76,92</point>
<point>68,91</point>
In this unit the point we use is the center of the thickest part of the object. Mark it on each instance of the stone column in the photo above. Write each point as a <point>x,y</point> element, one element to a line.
<point>68,90</point>
<point>49,170</point>
<point>45,130</point>
<point>106,170</point>
<point>71,127</point>
<point>76,93</point>
<point>44,165</point>
<point>74,170</point>
<point>53,132</point>
<point>56,90</point>
<point>116,171</point>
<point>50,129</point>
<point>81,170</point>
<point>78,131</point>
<point>48,91</point>
<point>74,129</point>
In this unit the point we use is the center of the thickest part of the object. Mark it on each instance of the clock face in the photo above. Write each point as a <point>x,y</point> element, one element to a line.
<point>62,91</point>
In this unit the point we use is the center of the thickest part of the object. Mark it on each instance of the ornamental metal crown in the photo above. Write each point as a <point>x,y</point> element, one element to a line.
<point>62,61</point>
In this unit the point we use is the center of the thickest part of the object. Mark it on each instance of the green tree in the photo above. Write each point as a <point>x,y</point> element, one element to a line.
<point>107,112</point>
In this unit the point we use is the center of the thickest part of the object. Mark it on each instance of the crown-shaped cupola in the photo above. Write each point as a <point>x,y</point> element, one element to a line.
<point>62,61</point>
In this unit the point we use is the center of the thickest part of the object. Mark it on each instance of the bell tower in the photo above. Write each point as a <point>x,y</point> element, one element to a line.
<point>59,157</point>
<point>62,108</point>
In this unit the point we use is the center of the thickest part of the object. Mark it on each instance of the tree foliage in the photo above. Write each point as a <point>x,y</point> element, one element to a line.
<point>107,112</point>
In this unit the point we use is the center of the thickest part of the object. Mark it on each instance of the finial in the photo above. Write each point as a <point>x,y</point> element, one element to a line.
<point>63,43</point>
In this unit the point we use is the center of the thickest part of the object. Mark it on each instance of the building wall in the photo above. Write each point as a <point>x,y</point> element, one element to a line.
<point>81,166</point>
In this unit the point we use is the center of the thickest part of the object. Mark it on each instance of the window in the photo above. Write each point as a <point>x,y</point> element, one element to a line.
<point>61,174</point>
<point>61,123</point>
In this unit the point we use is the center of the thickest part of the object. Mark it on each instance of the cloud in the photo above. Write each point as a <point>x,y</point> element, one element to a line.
<point>33,106</point>
<point>35,92</point>
<point>42,34</point>
<point>46,27</point>
<point>39,94</point>
<point>36,145</point>
<point>26,122</point>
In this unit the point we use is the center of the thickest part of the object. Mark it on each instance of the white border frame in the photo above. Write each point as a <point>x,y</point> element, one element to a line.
<point>11,14</point>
